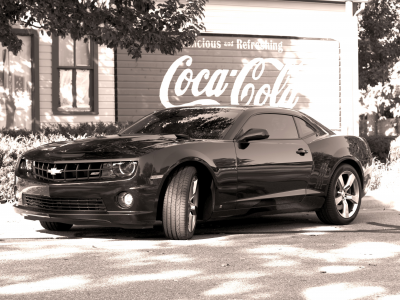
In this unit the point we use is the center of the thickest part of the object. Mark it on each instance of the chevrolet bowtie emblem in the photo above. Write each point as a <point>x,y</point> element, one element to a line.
<point>54,171</point>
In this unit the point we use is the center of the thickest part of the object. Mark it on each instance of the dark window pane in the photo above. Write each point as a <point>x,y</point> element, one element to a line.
<point>304,128</point>
<point>200,123</point>
<point>278,126</point>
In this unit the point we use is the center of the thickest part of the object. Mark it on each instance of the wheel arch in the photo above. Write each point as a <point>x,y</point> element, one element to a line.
<point>206,176</point>
<point>349,161</point>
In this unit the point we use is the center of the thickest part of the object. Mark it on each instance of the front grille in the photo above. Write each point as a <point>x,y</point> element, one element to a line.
<point>65,204</point>
<point>68,171</point>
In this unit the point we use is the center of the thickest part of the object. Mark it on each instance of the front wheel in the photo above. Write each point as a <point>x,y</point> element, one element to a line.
<point>55,226</point>
<point>343,201</point>
<point>181,201</point>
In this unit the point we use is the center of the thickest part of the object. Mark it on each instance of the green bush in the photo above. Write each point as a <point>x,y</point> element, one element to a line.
<point>380,146</point>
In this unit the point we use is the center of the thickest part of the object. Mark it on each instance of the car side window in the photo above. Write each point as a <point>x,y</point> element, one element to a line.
<point>304,128</point>
<point>279,127</point>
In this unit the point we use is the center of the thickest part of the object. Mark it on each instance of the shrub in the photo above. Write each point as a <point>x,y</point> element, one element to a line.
<point>378,173</point>
<point>380,146</point>
<point>386,175</point>
<point>68,130</point>
<point>394,153</point>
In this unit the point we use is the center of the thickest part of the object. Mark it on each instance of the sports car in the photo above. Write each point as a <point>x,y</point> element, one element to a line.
<point>181,165</point>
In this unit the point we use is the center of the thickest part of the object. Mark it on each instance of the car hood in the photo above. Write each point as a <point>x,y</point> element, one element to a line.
<point>103,147</point>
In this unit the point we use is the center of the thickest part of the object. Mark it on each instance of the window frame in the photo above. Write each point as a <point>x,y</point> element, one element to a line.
<point>35,74</point>
<point>94,91</point>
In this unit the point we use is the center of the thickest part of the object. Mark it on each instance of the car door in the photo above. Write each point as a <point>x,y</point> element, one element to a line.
<point>275,170</point>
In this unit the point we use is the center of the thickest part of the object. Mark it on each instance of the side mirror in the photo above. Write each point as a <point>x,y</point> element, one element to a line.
<point>253,134</point>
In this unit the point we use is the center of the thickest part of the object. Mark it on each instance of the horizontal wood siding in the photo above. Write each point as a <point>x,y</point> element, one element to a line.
<point>315,75</point>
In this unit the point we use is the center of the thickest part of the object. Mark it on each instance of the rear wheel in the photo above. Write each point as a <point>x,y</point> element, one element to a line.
<point>181,201</point>
<point>343,200</point>
<point>55,226</point>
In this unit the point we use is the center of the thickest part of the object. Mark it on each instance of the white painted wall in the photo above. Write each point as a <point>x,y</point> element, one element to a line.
<point>296,19</point>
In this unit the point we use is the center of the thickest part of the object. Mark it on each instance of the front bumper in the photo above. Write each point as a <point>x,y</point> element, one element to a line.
<point>142,214</point>
<point>130,219</point>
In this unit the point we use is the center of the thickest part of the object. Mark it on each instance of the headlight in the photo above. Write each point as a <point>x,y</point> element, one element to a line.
<point>26,166</point>
<point>125,200</point>
<point>118,169</point>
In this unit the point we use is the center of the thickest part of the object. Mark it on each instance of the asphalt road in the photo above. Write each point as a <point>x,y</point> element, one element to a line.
<point>276,257</point>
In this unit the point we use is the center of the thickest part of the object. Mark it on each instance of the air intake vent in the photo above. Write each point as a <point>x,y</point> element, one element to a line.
<point>63,204</point>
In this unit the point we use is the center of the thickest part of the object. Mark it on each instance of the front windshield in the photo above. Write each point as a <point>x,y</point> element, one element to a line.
<point>197,123</point>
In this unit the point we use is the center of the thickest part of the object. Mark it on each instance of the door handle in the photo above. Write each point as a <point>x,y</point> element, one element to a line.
<point>301,151</point>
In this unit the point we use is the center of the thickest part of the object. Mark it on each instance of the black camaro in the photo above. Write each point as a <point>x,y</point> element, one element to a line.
<point>180,165</point>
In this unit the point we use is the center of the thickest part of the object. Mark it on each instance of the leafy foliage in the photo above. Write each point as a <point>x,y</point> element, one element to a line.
<point>385,175</point>
<point>380,146</point>
<point>383,99</point>
<point>379,55</point>
<point>128,24</point>
<point>379,41</point>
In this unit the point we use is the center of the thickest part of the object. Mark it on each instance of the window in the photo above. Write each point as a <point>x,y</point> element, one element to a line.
<point>16,86</point>
<point>306,129</point>
<point>279,127</point>
<point>74,76</point>
<point>199,123</point>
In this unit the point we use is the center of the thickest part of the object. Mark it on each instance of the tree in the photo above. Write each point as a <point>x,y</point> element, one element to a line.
<point>379,56</point>
<point>379,41</point>
<point>128,24</point>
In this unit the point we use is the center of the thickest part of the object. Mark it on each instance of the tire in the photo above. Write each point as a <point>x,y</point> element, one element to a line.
<point>342,205</point>
<point>181,201</point>
<point>55,226</point>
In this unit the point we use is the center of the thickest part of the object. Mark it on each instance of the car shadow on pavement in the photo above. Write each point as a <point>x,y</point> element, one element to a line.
<point>203,229</point>
<point>306,224</point>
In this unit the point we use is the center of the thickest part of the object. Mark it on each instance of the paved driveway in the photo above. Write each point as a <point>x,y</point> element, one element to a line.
<point>276,257</point>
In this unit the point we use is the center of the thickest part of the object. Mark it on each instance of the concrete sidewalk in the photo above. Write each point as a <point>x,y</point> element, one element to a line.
<point>14,226</point>
<point>381,199</point>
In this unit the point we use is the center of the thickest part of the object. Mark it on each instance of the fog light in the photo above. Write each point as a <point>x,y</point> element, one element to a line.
<point>125,200</point>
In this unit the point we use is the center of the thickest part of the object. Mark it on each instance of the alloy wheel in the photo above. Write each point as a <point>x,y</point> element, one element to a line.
<point>193,204</point>
<point>347,194</point>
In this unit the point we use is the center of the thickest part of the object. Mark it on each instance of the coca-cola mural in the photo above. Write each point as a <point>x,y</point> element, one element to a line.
<point>302,74</point>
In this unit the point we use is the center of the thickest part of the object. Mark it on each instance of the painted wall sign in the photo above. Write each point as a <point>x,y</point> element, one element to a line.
<point>235,70</point>
<point>216,85</point>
